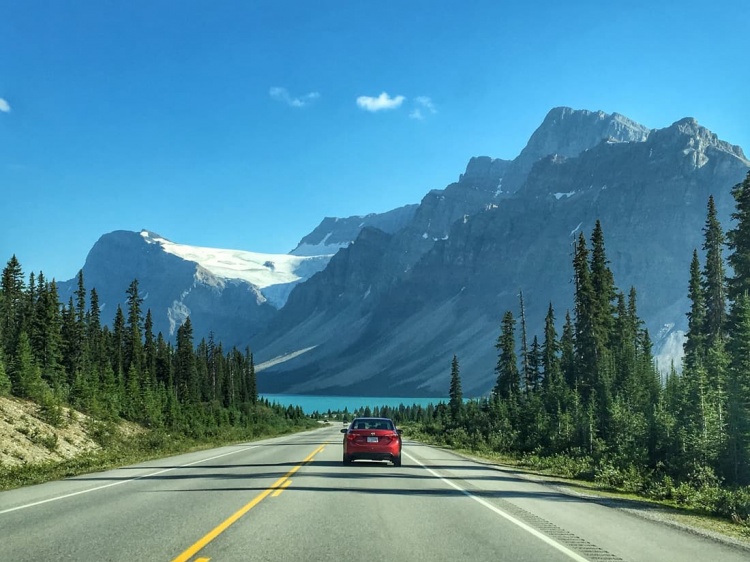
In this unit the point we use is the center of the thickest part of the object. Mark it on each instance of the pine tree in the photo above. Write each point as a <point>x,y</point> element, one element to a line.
<point>185,372</point>
<point>739,241</point>
<point>117,343</point>
<point>586,349</point>
<point>149,348</point>
<point>695,342</point>
<point>11,316</point>
<point>508,385</point>
<point>714,280</point>
<point>252,380</point>
<point>567,353</point>
<point>133,354</point>
<point>603,285</point>
<point>456,402</point>
<point>528,384</point>
<point>26,376</point>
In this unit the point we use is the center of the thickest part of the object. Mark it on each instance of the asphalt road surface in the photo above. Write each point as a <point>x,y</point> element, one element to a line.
<point>291,499</point>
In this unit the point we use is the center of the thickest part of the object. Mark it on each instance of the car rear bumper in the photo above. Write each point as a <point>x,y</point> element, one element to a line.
<point>371,456</point>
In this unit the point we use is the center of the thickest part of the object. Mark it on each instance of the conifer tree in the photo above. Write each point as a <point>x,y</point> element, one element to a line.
<point>714,280</point>
<point>456,402</point>
<point>185,373</point>
<point>695,347</point>
<point>11,316</point>
<point>508,385</point>
<point>567,353</point>
<point>133,354</point>
<point>528,384</point>
<point>26,376</point>
<point>739,241</point>
<point>586,349</point>
<point>252,384</point>
<point>603,285</point>
<point>117,344</point>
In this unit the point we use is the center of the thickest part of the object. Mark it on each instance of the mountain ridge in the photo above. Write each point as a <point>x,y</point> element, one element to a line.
<point>406,289</point>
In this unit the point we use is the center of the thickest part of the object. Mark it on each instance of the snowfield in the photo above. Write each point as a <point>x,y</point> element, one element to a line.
<point>265,271</point>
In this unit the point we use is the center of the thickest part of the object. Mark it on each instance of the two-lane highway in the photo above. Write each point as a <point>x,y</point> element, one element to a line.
<point>291,498</point>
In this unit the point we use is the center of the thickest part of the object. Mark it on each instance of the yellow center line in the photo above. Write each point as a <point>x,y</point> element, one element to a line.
<point>202,560</point>
<point>284,486</point>
<point>185,556</point>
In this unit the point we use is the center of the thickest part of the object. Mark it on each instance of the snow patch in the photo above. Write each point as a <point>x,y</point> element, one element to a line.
<point>559,196</point>
<point>216,266</point>
<point>282,358</point>
<point>572,232</point>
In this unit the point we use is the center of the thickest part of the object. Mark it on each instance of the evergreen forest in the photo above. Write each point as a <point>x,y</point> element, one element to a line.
<point>57,354</point>
<point>589,401</point>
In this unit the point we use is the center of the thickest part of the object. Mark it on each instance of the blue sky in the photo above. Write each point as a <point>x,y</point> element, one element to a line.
<point>241,124</point>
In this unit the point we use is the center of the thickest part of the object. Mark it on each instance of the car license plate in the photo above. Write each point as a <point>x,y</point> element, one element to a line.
<point>372,439</point>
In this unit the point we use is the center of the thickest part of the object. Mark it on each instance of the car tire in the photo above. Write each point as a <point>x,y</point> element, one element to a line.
<point>396,461</point>
<point>347,460</point>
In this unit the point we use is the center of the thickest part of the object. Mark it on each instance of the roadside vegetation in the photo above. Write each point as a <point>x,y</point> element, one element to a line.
<point>61,358</point>
<point>590,403</point>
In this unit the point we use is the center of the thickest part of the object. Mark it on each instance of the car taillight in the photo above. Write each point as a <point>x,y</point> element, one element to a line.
<point>351,436</point>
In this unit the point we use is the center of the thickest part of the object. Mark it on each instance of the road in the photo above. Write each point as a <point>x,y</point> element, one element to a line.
<point>291,499</point>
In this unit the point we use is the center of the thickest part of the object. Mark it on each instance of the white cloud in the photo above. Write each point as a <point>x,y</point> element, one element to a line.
<point>4,106</point>
<point>423,105</point>
<point>382,102</point>
<point>283,95</point>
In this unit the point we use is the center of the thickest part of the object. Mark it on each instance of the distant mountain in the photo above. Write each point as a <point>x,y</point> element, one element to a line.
<point>388,312</point>
<point>332,233</point>
<point>232,293</point>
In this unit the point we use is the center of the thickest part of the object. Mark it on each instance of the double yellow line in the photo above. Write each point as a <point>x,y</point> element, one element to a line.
<point>279,485</point>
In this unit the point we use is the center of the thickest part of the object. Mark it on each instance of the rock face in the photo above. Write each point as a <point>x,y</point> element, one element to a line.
<point>333,233</point>
<point>389,312</point>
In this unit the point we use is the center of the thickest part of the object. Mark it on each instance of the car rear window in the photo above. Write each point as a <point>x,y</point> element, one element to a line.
<point>372,424</point>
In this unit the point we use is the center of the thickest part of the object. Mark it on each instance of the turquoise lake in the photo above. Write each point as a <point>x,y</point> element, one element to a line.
<point>322,404</point>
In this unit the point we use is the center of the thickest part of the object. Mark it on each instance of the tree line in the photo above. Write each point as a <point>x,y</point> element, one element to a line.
<point>56,353</point>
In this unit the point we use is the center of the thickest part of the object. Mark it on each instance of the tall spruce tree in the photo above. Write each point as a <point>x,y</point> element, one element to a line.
<point>508,384</point>
<point>695,341</point>
<point>456,402</point>
<point>528,383</point>
<point>739,241</point>
<point>12,288</point>
<point>714,279</point>
<point>586,349</point>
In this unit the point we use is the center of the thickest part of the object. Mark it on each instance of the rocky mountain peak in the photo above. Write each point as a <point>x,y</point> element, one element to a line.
<point>698,138</point>
<point>568,132</point>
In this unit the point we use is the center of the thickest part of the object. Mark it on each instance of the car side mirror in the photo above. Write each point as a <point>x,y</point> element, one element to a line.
<point>344,430</point>
<point>399,431</point>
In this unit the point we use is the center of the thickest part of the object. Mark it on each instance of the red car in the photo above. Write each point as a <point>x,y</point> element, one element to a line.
<point>374,439</point>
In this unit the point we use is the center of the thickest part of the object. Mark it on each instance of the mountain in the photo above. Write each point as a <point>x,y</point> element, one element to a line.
<point>378,305</point>
<point>388,312</point>
<point>232,293</point>
<point>333,233</point>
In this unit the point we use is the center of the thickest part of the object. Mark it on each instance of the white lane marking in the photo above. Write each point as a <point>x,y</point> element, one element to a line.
<point>553,543</point>
<point>122,481</point>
